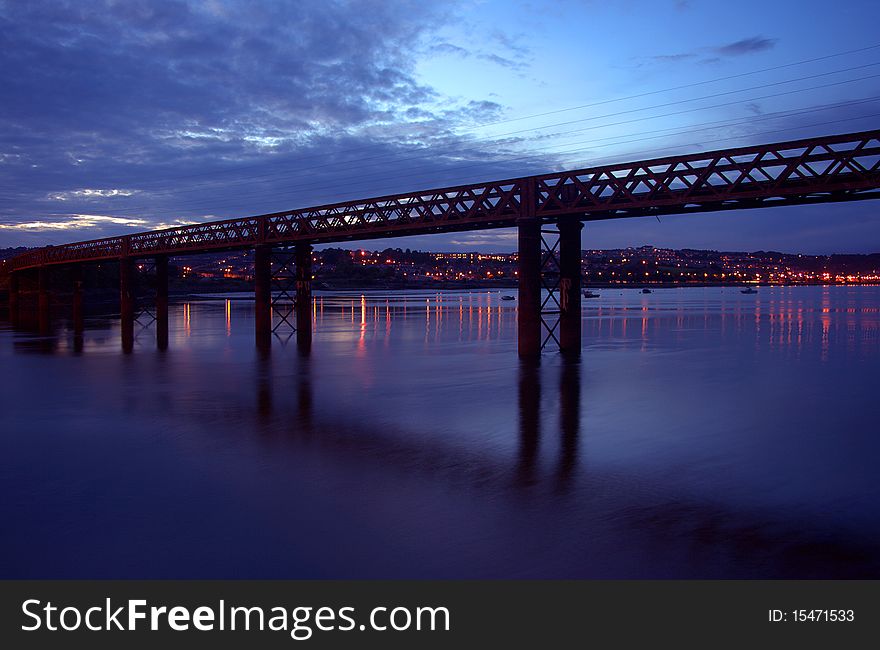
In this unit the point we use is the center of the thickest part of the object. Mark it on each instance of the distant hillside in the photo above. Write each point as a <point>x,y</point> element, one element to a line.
<point>6,253</point>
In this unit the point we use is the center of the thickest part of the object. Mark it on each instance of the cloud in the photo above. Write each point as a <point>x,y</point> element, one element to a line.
<point>516,44</point>
<point>503,238</point>
<point>503,61</point>
<point>674,58</point>
<point>714,54</point>
<point>174,223</point>
<point>449,48</point>
<point>517,59</point>
<point>90,194</point>
<point>746,46</point>
<point>73,222</point>
<point>230,107</point>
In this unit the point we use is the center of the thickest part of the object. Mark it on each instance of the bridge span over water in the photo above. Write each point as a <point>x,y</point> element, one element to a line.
<point>548,211</point>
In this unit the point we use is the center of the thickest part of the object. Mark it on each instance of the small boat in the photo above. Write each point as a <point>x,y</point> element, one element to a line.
<point>590,294</point>
<point>507,298</point>
<point>647,291</point>
<point>749,290</point>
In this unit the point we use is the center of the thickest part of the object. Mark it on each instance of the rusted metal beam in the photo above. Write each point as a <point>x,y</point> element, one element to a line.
<point>77,311</point>
<point>263,295</point>
<point>127,297</point>
<point>570,287</point>
<point>14,298</point>
<point>43,300</point>
<point>77,307</point>
<point>528,314</point>
<point>161,265</point>
<point>304,297</point>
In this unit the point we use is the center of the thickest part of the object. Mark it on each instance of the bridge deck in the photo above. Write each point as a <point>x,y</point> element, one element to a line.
<point>824,169</point>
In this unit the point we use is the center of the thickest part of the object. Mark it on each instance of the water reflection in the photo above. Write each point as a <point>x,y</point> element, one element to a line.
<point>477,316</point>
<point>570,420</point>
<point>285,399</point>
<point>821,321</point>
<point>529,421</point>
<point>703,434</point>
<point>264,383</point>
<point>301,396</point>
<point>304,401</point>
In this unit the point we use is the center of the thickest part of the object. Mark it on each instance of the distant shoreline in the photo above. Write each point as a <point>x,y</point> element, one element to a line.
<point>248,295</point>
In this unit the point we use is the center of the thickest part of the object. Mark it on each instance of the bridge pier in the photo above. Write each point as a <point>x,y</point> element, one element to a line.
<point>161,266</point>
<point>126,302</point>
<point>263,296</point>
<point>570,287</point>
<point>76,307</point>
<point>528,314</point>
<point>14,298</point>
<point>304,296</point>
<point>43,301</point>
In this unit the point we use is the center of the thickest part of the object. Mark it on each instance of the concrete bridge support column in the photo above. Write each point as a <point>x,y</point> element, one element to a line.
<point>263,296</point>
<point>161,265</point>
<point>126,302</point>
<point>43,299</point>
<point>570,287</point>
<point>14,298</point>
<point>304,296</point>
<point>529,308</point>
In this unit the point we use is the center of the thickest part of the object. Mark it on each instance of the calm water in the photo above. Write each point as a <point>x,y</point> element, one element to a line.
<point>705,433</point>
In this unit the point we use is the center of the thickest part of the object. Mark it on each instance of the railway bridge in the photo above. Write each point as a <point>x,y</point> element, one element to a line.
<point>548,211</point>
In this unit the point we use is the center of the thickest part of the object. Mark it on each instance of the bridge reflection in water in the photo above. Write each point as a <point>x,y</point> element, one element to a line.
<point>476,318</point>
<point>475,323</point>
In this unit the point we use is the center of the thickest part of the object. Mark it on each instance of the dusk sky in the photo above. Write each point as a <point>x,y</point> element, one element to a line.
<point>119,116</point>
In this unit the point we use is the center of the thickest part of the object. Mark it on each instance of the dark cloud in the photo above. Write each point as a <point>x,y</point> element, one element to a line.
<point>515,44</point>
<point>715,54</point>
<point>517,56</point>
<point>449,48</point>
<point>674,58</point>
<point>503,61</point>
<point>746,46</point>
<point>155,112</point>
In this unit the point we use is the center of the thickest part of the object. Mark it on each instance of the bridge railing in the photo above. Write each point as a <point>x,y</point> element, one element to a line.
<point>766,172</point>
<point>440,208</point>
<point>217,234</point>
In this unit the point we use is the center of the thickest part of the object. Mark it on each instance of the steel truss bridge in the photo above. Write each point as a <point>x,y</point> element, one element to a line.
<point>824,169</point>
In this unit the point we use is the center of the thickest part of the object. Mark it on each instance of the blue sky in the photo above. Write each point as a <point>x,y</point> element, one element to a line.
<point>118,116</point>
